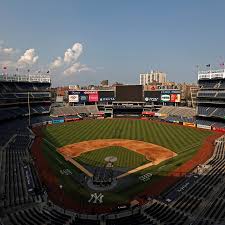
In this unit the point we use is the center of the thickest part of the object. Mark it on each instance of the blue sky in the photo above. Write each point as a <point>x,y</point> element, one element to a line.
<point>117,39</point>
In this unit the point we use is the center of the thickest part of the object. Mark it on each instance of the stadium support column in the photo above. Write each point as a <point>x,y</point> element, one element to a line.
<point>28,102</point>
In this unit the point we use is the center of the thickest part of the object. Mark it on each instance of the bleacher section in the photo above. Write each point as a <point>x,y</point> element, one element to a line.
<point>74,110</point>
<point>177,114</point>
<point>177,111</point>
<point>180,119</point>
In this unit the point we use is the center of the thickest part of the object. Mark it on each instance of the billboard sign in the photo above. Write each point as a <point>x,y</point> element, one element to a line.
<point>188,124</point>
<point>221,129</point>
<point>175,98</point>
<point>83,96</point>
<point>165,98</point>
<point>170,91</point>
<point>107,99</point>
<point>106,96</point>
<point>60,120</point>
<point>73,98</point>
<point>204,126</point>
<point>93,97</point>
<point>152,96</point>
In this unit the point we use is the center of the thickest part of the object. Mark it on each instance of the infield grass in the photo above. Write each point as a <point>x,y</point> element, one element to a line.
<point>125,158</point>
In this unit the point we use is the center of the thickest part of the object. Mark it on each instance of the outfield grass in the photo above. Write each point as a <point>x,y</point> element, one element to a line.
<point>125,158</point>
<point>184,141</point>
<point>175,138</point>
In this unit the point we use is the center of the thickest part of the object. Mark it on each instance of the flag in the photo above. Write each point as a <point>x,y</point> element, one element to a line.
<point>208,65</point>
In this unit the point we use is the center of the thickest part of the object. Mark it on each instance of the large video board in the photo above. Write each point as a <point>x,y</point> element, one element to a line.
<point>132,93</point>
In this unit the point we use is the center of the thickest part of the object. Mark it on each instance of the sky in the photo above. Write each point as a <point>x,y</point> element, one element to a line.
<point>86,41</point>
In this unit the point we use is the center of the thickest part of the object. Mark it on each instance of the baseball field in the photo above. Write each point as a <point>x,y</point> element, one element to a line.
<point>180,142</point>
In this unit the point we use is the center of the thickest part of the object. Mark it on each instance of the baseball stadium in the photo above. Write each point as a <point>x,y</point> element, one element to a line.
<point>123,156</point>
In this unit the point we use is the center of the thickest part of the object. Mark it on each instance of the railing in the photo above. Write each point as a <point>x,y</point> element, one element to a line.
<point>25,78</point>
<point>210,74</point>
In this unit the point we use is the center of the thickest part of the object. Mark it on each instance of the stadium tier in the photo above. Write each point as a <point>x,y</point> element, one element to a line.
<point>24,95</point>
<point>211,98</point>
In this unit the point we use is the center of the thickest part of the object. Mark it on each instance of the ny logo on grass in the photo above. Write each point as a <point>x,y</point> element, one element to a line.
<point>96,198</point>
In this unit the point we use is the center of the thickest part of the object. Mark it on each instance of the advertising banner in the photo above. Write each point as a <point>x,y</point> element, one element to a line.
<point>221,129</point>
<point>170,92</point>
<point>157,114</point>
<point>152,96</point>
<point>73,98</point>
<point>165,98</point>
<point>106,96</point>
<point>188,124</point>
<point>107,99</point>
<point>163,115</point>
<point>55,121</point>
<point>204,126</point>
<point>148,113</point>
<point>175,98</point>
<point>93,97</point>
<point>83,98</point>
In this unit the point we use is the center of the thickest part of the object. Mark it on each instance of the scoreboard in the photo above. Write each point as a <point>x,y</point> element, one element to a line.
<point>133,93</point>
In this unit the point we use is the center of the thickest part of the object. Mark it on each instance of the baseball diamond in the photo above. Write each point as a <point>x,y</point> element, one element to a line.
<point>141,147</point>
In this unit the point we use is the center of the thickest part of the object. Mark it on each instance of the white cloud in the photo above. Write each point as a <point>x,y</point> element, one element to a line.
<point>58,62</point>
<point>72,54</point>
<point>77,68</point>
<point>29,57</point>
<point>69,63</point>
<point>8,50</point>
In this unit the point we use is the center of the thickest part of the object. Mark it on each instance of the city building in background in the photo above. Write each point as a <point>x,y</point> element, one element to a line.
<point>104,83</point>
<point>153,77</point>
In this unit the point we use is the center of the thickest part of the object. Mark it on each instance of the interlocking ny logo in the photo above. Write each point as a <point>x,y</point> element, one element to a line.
<point>96,198</point>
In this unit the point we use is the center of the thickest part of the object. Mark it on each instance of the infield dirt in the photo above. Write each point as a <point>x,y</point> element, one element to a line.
<point>152,152</point>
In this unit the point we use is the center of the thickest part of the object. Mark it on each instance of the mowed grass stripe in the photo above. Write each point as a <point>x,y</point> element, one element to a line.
<point>173,137</point>
<point>125,157</point>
